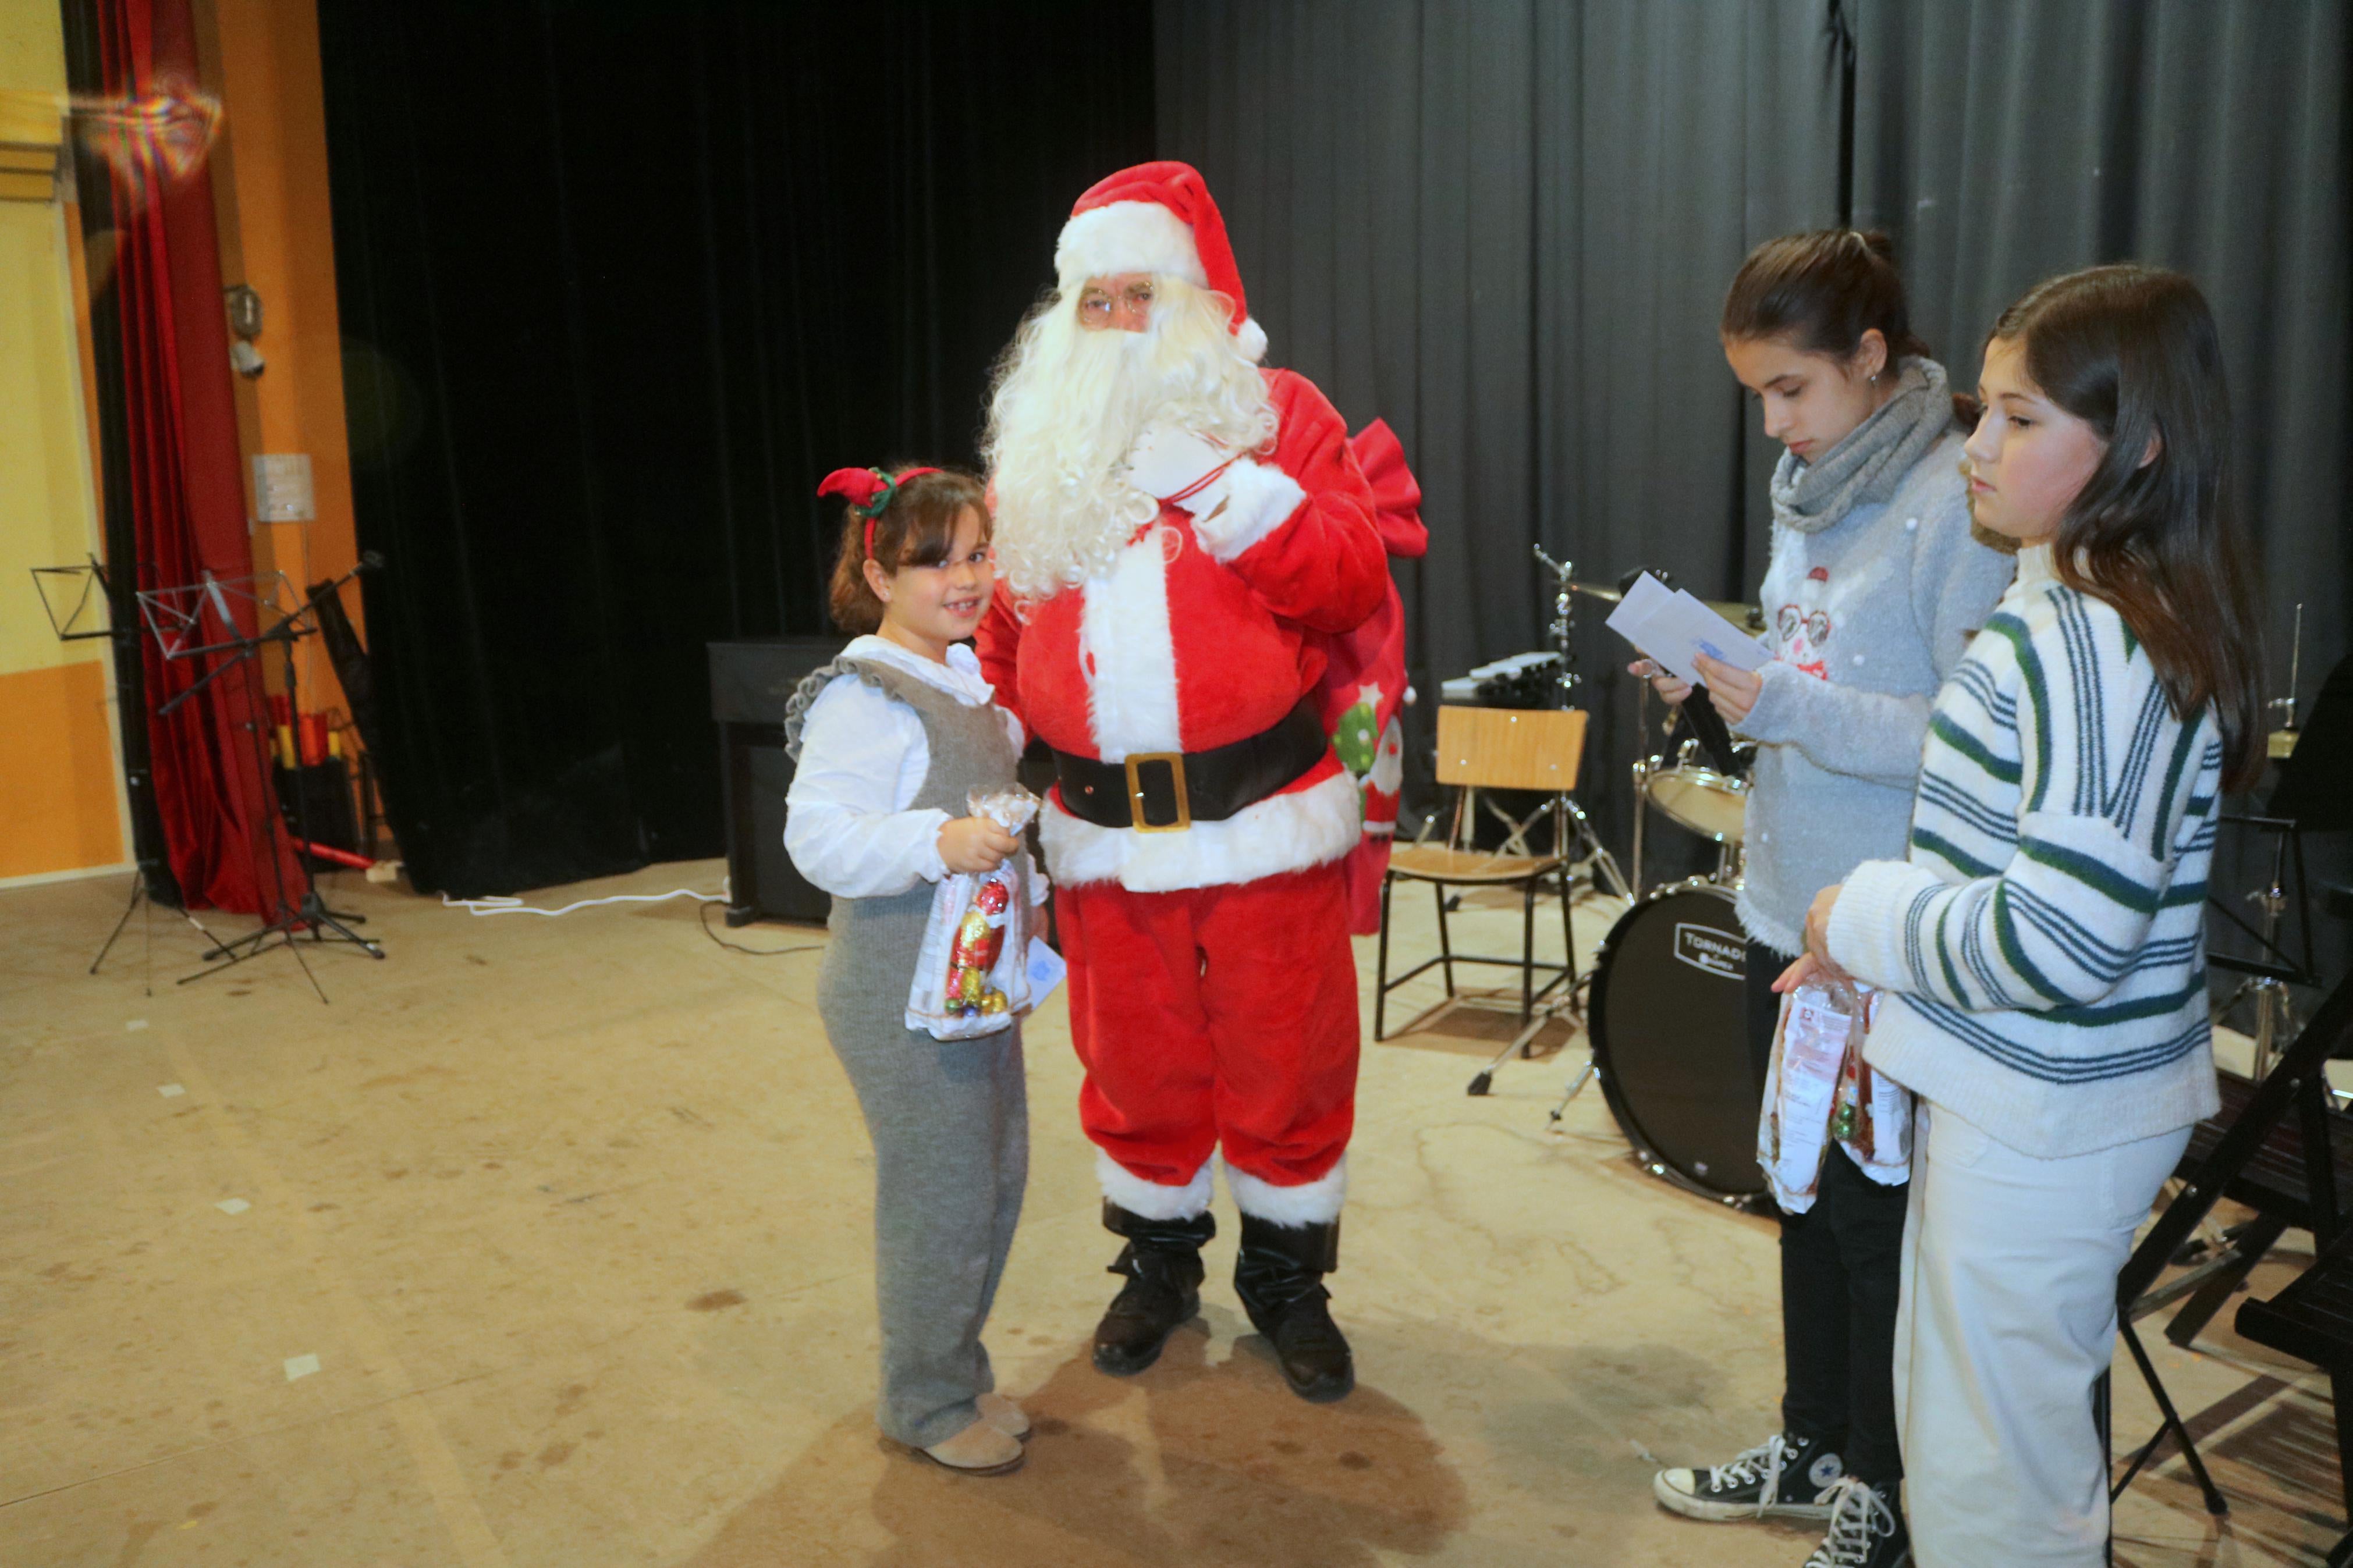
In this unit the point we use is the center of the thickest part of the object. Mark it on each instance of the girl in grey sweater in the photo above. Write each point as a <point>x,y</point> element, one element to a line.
<point>1876,584</point>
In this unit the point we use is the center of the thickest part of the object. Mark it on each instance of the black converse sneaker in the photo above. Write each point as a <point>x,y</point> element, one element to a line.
<point>1784,1477</point>
<point>1865,1531</point>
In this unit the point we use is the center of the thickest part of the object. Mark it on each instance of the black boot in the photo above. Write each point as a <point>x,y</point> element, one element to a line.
<point>1162,1261</point>
<point>1280,1277</point>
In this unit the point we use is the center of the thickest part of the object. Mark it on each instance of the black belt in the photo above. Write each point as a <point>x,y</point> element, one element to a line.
<point>1165,792</point>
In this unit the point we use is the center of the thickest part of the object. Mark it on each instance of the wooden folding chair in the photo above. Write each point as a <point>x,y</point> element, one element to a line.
<point>1491,748</point>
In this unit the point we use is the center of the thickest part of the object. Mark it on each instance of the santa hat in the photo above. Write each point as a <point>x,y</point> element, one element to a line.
<point>1156,218</point>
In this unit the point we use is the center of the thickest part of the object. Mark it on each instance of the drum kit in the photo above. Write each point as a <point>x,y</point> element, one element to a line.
<point>1665,1006</point>
<point>1666,1010</point>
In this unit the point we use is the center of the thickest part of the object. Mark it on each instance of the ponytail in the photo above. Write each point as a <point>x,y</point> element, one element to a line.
<point>1822,291</point>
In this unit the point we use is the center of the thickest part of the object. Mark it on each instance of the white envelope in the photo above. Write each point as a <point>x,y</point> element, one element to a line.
<point>1673,628</point>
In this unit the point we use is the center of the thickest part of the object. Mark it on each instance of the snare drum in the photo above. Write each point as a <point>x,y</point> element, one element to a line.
<point>1713,805</point>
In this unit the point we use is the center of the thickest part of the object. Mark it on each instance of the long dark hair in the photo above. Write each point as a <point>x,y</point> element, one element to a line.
<point>917,528</point>
<point>2132,352</point>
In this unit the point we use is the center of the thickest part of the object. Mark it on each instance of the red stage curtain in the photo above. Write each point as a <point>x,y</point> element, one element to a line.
<point>212,786</point>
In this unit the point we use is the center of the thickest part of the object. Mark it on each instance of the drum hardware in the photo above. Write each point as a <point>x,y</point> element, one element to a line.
<point>1591,861</point>
<point>1693,796</point>
<point>1666,1020</point>
<point>2281,745</point>
<point>1702,799</point>
<point>2293,807</point>
<point>1596,862</point>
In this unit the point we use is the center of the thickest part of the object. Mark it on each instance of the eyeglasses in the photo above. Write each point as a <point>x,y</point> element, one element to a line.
<point>1097,305</point>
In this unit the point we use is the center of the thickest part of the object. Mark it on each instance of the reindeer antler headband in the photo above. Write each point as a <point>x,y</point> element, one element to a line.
<point>869,491</point>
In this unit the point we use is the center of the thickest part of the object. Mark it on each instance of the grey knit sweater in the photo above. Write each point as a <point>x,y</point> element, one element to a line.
<point>1866,613</point>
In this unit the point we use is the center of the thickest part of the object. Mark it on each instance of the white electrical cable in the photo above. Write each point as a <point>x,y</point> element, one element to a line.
<point>504,905</point>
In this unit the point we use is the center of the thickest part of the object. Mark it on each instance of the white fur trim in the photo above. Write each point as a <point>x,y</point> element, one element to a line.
<point>1128,237</point>
<point>1251,338</point>
<point>1281,833</point>
<point>1311,1203</point>
<point>1151,1199</point>
<point>1129,654</point>
<point>1259,498</point>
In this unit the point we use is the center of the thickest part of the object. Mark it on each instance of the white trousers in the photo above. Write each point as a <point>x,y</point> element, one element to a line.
<point>2008,1317</point>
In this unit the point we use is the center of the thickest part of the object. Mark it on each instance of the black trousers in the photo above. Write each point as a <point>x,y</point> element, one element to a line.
<point>1842,1264</point>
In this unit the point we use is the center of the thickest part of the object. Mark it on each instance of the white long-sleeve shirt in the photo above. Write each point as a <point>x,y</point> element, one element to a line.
<point>863,757</point>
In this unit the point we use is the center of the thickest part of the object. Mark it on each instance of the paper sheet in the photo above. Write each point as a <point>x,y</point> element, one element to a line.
<point>1673,628</point>
<point>1045,970</point>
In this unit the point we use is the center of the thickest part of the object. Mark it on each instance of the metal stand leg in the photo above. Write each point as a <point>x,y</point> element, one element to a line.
<point>1381,965</point>
<point>143,902</point>
<point>1527,951</point>
<point>1445,943</point>
<point>137,893</point>
<point>2171,1427</point>
<point>1576,1086</point>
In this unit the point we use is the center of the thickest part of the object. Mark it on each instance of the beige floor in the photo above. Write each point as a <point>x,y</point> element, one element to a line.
<point>572,1214</point>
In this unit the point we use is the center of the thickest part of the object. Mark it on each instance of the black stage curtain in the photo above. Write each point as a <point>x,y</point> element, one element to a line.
<point>619,283</point>
<point>1508,226</point>
<point>2002,142</point>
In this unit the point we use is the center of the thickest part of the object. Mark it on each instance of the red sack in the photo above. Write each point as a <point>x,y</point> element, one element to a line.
<point>1362,694</point>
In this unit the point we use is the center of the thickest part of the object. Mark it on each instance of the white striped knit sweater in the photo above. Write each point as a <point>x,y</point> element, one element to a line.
<point>2046,935</point>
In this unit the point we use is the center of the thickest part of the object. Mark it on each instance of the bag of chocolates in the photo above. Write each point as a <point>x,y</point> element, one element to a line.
<point>971,972</point>
<point>1820,1091</point>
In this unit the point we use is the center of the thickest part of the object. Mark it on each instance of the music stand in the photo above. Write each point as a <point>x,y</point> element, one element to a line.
<point>70,597</point>
<point>2296,1086</point>
<point>2309,797</point>
<point>199,620</point>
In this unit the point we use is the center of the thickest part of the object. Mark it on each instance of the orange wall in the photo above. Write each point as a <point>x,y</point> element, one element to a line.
<point>57,773</point>
<point>269,186</point>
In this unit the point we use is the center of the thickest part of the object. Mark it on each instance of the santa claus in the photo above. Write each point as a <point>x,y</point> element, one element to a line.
<point>1180,529</point>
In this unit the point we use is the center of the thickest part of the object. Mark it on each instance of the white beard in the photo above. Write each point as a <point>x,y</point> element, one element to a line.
<point>1069,406</point>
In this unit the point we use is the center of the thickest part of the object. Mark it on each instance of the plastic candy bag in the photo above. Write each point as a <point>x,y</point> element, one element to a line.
<point>1872,1118</point>
<point>972,970</point>
<point>1819,1092</point>
<point>1820,1021</point>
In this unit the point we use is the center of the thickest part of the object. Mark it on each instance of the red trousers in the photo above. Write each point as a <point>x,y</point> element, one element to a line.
<point>1215,1016</point>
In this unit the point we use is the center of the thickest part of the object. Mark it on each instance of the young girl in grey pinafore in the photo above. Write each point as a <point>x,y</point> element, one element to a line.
<point>889,739</point>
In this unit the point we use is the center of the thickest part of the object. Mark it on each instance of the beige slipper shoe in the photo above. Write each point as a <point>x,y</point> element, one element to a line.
<point>980,1450</point>
<point>1004,1414</point>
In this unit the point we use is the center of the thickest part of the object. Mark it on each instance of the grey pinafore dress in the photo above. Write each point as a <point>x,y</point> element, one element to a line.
<point>949,1118</point>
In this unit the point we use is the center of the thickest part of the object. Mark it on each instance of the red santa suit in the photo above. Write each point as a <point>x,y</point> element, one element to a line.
<point>1213,991</point>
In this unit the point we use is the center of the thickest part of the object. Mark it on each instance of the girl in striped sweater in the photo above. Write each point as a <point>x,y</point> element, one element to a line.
<point>2042,939</point>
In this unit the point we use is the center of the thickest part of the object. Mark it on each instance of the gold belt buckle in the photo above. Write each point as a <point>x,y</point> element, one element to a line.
<point>1175,761</point>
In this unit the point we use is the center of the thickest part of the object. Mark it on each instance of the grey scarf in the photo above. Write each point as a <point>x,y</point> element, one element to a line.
<point>1870,462</point>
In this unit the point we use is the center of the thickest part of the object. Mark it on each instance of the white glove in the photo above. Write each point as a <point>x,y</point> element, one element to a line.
<point>1166,460</point>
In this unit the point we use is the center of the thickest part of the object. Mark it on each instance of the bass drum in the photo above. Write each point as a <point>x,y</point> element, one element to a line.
<point>1669,1023</point>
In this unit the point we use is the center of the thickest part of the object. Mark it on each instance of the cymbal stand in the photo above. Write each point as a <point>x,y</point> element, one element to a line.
<point>2274,1006</point>
<point>1590,859</point>
<point>1596,862</point>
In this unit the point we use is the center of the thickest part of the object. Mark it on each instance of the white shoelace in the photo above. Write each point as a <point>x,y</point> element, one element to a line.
<point>1762,1462</point>
<point>1858,1517</point>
